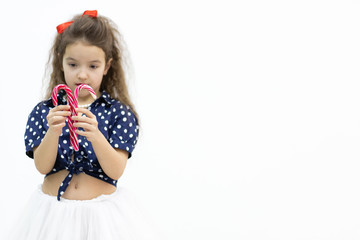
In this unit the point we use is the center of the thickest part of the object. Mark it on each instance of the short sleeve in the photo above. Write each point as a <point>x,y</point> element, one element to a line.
<point>125,130</point>
<point>35,129</point>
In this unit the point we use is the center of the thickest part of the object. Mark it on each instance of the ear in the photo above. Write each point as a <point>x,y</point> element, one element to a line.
<point>107,66</point>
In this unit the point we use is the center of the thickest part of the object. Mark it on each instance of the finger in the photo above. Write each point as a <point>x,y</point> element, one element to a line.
<point>85,126</point>
<point>61,113</point>
<point>61,108</point>
<point>56,120</point>
<point>82,119</point>
<point>82,133</point>
<point>59,125</point>
<point>85,111</point>
<point>58,116</point>
<point>55,110</point>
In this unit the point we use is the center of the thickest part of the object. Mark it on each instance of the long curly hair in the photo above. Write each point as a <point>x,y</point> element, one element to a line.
<point>101,32</point>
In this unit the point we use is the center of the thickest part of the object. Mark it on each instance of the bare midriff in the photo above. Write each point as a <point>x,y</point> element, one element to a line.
<point>81,187</point>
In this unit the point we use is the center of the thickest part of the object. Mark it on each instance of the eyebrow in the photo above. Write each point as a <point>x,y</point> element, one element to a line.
<point>73,59</point>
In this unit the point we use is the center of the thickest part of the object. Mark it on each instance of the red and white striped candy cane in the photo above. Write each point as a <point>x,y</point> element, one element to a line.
<point>73,103</point>
<point>77,90</point>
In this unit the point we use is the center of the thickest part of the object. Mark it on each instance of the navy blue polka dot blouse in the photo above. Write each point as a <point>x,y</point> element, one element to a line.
<point>115,120</point>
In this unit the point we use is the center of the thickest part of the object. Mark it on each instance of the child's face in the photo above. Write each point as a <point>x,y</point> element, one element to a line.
<point>84,63</point>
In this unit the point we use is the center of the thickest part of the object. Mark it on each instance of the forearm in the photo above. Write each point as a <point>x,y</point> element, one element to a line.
<point>112,161</point>
<point>45,153</point>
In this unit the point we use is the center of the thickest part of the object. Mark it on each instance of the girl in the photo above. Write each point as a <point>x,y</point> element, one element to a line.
<point>78,198</point>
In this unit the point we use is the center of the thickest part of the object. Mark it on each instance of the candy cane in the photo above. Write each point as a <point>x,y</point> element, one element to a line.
<point>77,90</point>
<point>73,103</point>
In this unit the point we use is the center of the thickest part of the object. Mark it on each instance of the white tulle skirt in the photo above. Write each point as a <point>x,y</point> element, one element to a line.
<point>115,216</point>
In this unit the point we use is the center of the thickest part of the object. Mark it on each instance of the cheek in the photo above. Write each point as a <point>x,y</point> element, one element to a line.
<point>68,75</point>
<point>98,80</point>
<point>68,71</point>
<point>98,75</point>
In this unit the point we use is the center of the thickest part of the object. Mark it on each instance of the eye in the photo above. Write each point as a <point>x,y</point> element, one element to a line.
<point>93,66</point>
<point>72,65</point>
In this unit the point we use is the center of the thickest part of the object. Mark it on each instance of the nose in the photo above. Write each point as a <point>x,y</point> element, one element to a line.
<point>82,75</point>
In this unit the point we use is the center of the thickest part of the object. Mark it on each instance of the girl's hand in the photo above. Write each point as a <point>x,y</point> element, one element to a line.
<point>56,118</point>
<point>88,122</point>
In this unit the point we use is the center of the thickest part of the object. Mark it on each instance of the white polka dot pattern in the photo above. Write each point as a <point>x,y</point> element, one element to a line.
<point>115,120</point>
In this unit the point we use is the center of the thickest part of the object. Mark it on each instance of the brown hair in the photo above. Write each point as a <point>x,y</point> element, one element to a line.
<point>101,32</point>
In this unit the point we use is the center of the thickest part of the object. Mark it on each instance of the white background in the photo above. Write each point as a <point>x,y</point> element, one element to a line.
<point>249,110</point>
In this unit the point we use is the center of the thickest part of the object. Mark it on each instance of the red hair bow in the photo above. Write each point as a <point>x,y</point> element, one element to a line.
<point>61,28</point>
